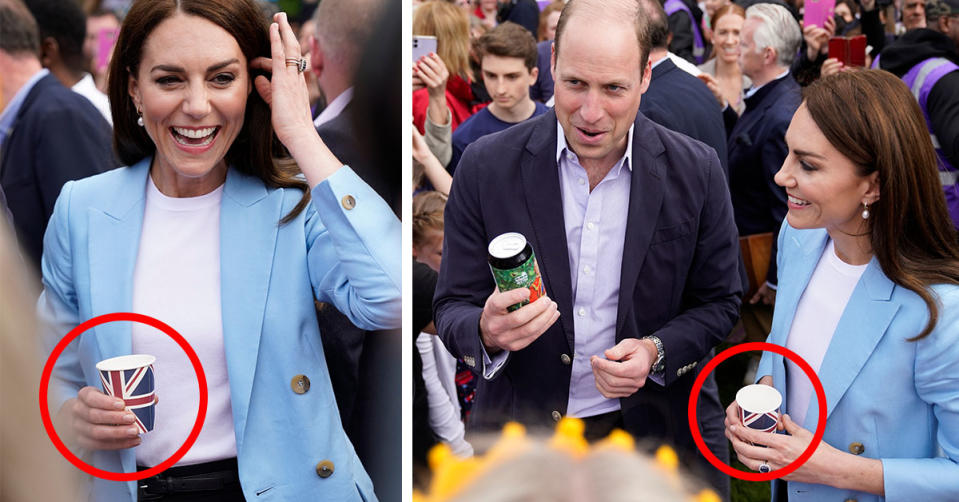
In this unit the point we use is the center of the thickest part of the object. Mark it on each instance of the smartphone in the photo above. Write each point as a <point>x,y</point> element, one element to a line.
<point>850,51</point>
<point>423,45</point>
<point>815,12</point>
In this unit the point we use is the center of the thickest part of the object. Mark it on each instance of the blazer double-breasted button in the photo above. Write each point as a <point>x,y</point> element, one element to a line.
<point>324,469</point>
<point>300,384</point>
<point>556,416</point>
<point>348,202</point>
<point>856,448</point>
<point>566,359</point>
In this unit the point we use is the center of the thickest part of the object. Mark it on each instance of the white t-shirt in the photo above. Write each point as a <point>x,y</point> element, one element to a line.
<point>814,325</point>
<point>177,280</point>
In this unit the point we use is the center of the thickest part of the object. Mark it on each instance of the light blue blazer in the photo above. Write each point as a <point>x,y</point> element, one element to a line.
<point>899,399</point>
<point>270,274</point>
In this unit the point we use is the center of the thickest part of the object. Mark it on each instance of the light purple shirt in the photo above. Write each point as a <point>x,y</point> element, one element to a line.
<point>595,234</point>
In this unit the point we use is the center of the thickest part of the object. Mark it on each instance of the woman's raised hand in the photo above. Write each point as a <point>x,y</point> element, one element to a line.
<point>285,90</point>
<point>289,99</point>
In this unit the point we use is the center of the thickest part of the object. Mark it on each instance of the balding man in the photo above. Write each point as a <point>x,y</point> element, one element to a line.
<point>632,229</point>
<point>342,29</point>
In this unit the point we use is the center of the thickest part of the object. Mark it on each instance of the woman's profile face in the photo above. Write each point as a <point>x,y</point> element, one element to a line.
<point>191,86</point>
<point>823,187</point>
<point>726,37</point>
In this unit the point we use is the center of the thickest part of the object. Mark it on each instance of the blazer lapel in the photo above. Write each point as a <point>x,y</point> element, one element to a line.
<point>249,222</point>
<point>645,202</point>
<point>540,175</point>
<point>863,323</point>
<point>114,241</point>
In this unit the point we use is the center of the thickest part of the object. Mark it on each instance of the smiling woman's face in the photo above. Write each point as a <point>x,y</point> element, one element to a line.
<point>191,87</point>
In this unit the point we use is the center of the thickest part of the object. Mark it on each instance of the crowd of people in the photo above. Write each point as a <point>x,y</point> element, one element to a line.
<point>686,176</point>
<point>690,174</point>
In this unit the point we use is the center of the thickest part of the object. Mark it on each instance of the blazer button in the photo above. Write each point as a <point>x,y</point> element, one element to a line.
<point>348,202</point>
<point>324,469</point>
<point>556,416</point>
<point>565,359</point>
<point>300,384</point>
<point>856,448</point>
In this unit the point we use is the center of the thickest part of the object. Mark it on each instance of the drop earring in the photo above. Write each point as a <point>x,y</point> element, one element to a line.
<point>865,211</point>
<point>139,117</point>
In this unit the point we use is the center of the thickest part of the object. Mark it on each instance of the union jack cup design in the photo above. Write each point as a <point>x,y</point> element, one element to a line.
<point>759,407</point>
<point>131,379</point>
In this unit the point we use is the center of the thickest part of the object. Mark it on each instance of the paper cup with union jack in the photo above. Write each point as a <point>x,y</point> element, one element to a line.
<point>131,379</point>
<point>759,407</point>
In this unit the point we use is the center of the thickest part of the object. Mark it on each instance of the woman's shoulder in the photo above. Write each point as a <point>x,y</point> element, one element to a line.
<point>108,188</point>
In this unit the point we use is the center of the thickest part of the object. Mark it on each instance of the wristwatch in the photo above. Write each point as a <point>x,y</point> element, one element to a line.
<point>660,363</point>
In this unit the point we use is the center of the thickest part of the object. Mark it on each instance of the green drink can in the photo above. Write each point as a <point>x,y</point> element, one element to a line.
<point>513,264</point>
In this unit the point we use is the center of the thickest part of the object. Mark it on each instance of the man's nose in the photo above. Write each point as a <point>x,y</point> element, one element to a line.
<point>591,110</point>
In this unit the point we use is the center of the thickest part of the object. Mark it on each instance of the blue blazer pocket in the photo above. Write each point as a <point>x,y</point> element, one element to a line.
<point>673,231</point>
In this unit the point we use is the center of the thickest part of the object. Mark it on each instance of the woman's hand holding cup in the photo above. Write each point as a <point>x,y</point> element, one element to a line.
<point>96,421</point>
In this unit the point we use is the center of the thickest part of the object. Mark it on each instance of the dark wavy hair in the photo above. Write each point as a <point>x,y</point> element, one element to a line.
<point>871,117</point>
<point>256,149</point>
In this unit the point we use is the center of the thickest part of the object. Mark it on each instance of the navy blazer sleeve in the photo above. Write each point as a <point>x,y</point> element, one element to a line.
<point>460,294</point>
<point>60,137</point>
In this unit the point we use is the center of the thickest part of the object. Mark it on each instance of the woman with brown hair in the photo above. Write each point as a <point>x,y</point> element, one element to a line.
<point>451,27</point>
<point>722,72</point>
<point>548,19</point>
<point>210,231</point>
<point>869,297</point>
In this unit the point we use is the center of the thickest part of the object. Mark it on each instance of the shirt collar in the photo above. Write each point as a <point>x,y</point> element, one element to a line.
<point>333,108</point>
<point>561,146</point>
<point>753,90</point>
<point>9,114</point>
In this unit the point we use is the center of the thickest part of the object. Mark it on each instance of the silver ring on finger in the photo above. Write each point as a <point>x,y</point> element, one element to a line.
<point>299,63</point>
<point>764,467</point>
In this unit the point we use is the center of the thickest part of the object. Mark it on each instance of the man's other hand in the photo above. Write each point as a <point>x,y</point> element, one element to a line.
<point>625,368</point>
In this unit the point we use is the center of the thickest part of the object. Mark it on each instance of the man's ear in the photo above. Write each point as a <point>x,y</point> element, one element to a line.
<point>49,52</point>
<point>533,75</point>
<point>316,57</point>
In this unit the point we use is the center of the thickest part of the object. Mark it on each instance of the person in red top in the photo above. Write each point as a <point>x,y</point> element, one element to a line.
<point>446,74</point>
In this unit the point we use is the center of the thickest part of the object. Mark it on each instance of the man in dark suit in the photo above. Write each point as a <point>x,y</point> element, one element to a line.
<point>675,99</point>
<point>757,139</point>
<point>48,134</point>
<point>634,236</point>
<point>364,365</point>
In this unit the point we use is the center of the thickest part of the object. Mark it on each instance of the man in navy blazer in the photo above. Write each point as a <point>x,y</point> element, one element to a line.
<point>48,134</point>
<point>757,139</point>
<point>640,264</point>
<point>676,99</point>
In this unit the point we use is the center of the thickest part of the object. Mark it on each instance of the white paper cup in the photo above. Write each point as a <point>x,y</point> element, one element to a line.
<point>131,378</point>
<point>759,407</point>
